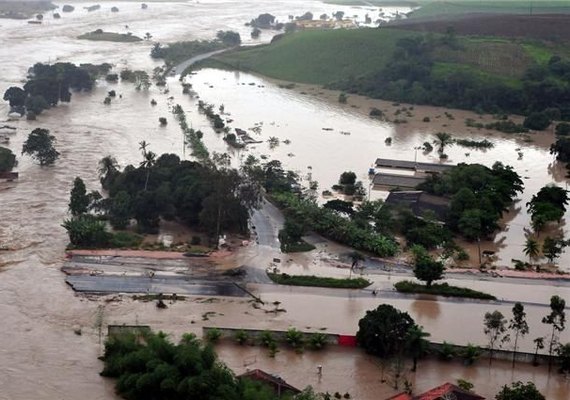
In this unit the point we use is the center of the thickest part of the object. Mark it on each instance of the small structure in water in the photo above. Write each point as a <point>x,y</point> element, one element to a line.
<point>278,384</point>
<point>445,391</point>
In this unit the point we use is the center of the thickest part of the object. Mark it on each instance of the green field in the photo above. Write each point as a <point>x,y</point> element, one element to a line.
<point>456,8</point>
<point>319,57</point>
<point>109,37</point>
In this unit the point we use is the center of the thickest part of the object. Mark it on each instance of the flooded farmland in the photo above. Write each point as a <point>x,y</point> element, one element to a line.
<point>40,355</point>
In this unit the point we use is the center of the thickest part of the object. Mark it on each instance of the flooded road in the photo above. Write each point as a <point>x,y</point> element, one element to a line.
<point>40,355</point>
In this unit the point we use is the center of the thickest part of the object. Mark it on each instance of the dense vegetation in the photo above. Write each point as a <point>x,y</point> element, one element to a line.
<point>39,146</point>
<point>548,205</point>
<point>149,367</point>
<point>437,69</point>
<point>47,85</point>
<point>479,195</point>
<point>319,281</point>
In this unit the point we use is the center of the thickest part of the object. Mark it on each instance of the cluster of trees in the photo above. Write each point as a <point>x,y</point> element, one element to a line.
<point>47,85</point>
<point>209,196</point>
<point>140,78</point>
<point>548,205</point>
<point>348,185</point>
<point>174,53</point>
<point>265,21</point>
<point>479,195</point>
<point>499,330</point>
<point>149,366</point>
<point>193,137</point>
<point>411,77</point>
<point>210,112</point>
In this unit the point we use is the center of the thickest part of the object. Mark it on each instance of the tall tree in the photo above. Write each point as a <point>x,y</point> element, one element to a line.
<point>416,344</point>
<point>557,319</point>
<point>108,170</point>
<point>79,200</point>
<point>531,249</point>
<point>425,267</point>
<point>518,325</point>
<point>39,146</point>
<point>495,327</point>
<point>442,140</point>
<point>552,248</point>
<point>148,163</point>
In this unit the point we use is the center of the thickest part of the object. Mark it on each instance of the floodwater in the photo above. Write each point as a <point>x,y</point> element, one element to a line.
<point>40,356</point>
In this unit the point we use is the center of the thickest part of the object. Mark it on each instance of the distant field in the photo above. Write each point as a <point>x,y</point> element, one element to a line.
<point>319,57</point>
<point>549,27</point>
<point>110,37</point>
<point>437,9</point>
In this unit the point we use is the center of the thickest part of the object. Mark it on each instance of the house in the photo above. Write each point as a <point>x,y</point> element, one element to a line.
<point>420,203</point>
<point>278,385</point>
<point>443,392</point>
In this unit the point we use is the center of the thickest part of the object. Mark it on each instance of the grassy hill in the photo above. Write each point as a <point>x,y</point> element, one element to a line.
<point>320,57</point>
<point>490,74</point>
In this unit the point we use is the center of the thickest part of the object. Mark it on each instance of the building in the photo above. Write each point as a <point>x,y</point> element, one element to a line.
<point>278,385</point>
<point>443,392</point>
<point>420,203</point>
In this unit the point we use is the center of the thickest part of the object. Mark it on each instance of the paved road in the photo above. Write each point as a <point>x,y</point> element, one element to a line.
<point>167,285</point>
<point>179,69</point>
<point>267,221</point>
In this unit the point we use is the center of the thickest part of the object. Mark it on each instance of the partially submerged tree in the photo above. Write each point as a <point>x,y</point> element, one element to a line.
<point>79,200</point>
<point>39,146</point>
<point>557,319</point>
<point>531,249</point>
<point>416,344</point>
<point>495,327</point>
<point>520,391</point>
<point>425,267</point>
<point>518,325</point>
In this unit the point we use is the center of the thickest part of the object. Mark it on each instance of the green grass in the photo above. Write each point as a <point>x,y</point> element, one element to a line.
<point>319,281</point>
<point>110,37</point>
<point>442,70</point>
<point>539,53</point>
<point>297,247</point>
<point>456,8</point>
<point>441,289</point>
<point>319,57</point>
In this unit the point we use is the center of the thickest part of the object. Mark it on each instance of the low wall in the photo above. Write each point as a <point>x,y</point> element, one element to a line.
<point>336,339</point>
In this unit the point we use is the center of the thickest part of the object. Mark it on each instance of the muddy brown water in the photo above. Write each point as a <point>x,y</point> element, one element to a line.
<point>40,356</point>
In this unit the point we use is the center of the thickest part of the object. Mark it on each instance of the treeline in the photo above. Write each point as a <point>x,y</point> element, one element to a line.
<point>178,52</point>
<point>47,85</point>
<point>413,76</point>
<point>149,366</point>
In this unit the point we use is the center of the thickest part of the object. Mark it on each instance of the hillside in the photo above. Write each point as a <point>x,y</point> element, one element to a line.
<point>477,73</point>
<point>458,8</point>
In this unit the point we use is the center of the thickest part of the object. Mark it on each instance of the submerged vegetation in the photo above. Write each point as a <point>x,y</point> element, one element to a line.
<point>441,289</point>
<point>318,281</point>
<point>99,34</point>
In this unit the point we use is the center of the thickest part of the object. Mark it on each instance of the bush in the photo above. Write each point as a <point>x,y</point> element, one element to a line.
<point>319,281</point>
<point>86,231</point>
<point>537,121</point>
<point>446,351</point>
<point>376,113</point>
<point>266,338</point>
<point>162,121</point>
<point>125,240</point>
<point>295,338</point>
<point>241,337</point>
<point>213,335</point>
<point>342,98</point>
<point>441,289</point>
<point>7,159</point>
<point>318,341</point>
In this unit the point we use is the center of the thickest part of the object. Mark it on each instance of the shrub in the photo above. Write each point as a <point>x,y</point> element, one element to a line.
<point>125,240</point>
<point>266,338</point>
<point>563,129</point>
<point>446,351</point>
<point>295,338</point>
<point>375,112</point>
<point>342,98</point>
<point>318,341</point>
<point>537,121</point>
<point>241,337</point>
<point>441,289</point>
<point>213,335</point>
<point>162,121</point>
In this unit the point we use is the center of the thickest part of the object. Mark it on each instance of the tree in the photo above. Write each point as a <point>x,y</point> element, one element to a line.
<point>416,344</point>
<point>15,96</point>
<point>563,353</point>
<point>148,163</point>
<point>36,104</point>
<point>518,325</point>
<point>383,332</point>
<point>531,249</point>
<point>556,318</point>
<point>495,327</point>
<point>442,140</point>
<point>425,267</point>
<point>549,204</point>
<point>520,391</point>
<point>537,121</point>
<point>120,210</point>
<point>39,146</point>
<point>78,201</point>
<point>7,159</point>
<point>108,170</point>
<point>86,231</point>
<point>229,38</point>
<point>561,149</point>
<point>538,345</point>
<point>552,248</point>
<point>347,178</point>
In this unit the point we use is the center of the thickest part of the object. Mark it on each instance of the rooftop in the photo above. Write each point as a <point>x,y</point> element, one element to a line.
<point>412,165</point>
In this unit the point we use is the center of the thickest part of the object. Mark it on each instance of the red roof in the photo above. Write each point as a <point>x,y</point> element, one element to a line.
<point>438,392</point>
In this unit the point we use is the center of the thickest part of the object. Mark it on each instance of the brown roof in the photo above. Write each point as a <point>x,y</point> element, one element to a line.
<point>277,383</point>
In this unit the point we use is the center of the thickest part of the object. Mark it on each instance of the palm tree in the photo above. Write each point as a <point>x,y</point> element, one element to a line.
<point>531,249</point>
<point>416,344</point>
<point>107,168</point>
<point>148,163</point>
<point>442,140</point>
<point>142,146</point>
